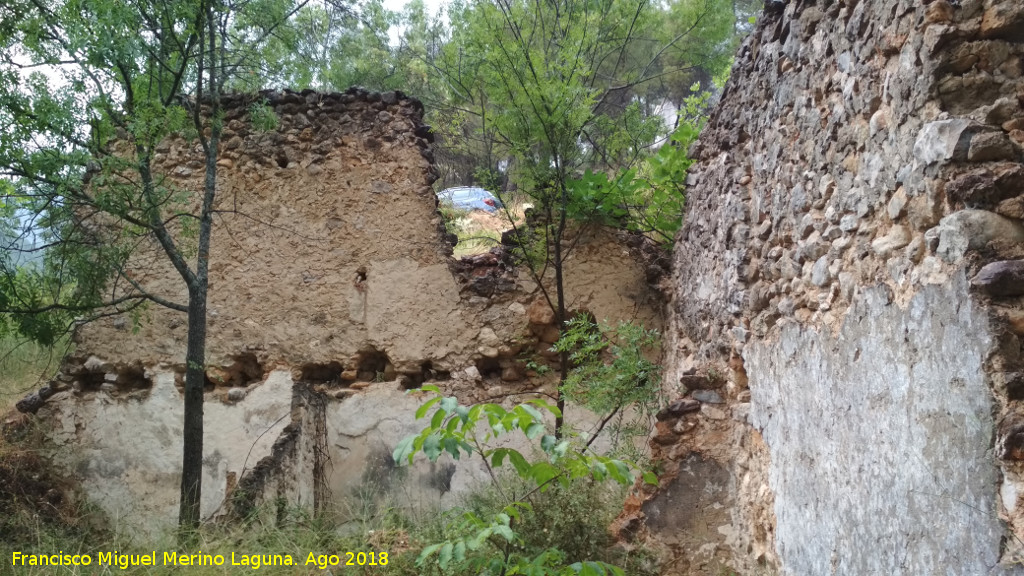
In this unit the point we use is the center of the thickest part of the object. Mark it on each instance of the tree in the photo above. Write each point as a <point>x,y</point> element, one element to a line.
<point>122,76</point>
<point>552,88</point>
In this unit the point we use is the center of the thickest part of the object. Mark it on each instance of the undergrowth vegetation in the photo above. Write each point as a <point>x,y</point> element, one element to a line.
<point>477,231</point>
<point>572,520</point>
<point>566,521</point>
<point>25,364</point>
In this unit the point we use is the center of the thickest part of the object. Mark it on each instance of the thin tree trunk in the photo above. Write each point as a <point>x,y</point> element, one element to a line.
<point>563,357</point>
<point>195,374</point>
<point>192,449</point>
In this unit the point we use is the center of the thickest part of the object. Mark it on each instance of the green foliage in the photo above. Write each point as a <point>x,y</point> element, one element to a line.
<point>490,543</point>
<point>472,236</point>
<point>24,365</point>
<point>612,372</point>
<point>451,216</point>
<point>540,368</point>
<point>650,199</point>
<point>573,519</point>
<point>262,117</point>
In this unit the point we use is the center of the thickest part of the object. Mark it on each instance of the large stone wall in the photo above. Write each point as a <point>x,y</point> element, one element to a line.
<point>332,292</point>
<point>863,165</point>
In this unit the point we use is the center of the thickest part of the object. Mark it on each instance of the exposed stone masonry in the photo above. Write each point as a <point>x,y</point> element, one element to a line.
<point>864,163</point>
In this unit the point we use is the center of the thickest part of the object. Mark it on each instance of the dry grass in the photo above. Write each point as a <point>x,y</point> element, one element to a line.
<point>24,366</point>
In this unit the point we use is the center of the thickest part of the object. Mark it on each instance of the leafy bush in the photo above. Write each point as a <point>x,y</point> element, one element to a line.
<point>612,371</point>
<point>650,199</point>
<point>490,540</point>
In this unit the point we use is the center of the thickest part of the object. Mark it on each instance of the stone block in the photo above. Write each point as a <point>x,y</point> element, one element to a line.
<point>972,229</point>
<point>943,140</point>
<point>539,313</point>
<point>707,397</point>
<point>990,146</point>
<point>1003,19</point>
<point>896,238</point>
<point>1003,278</point>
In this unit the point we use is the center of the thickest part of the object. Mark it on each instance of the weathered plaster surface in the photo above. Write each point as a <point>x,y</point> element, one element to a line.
<point>881,438</point>
<point>127,452</point>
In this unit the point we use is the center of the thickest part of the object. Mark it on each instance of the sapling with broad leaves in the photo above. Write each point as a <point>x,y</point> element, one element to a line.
<point>489,544</point>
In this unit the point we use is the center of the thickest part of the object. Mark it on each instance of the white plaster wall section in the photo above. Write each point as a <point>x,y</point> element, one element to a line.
<point>879,438</point>
<point>127,453</point>
<point>237,436</point>
<point>363,432</point>
<point>364,429</point>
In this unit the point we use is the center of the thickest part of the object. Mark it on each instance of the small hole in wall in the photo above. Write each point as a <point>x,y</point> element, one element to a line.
<point>281,159</point>
<point>1015,386</point>
<point>373,364</point>
<point>431,373</point>
<point>488,367</point>
<point>322,373</point>
<point>244,369</point>
<point>427,372</point>
<point>91,380</point>
<point>133,377</point>
<point>249,367</point>
<point>124,378</point>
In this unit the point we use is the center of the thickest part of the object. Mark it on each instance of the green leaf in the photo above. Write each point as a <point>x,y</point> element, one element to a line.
<point>534,430</point>
<point>480,538</point>
<point>541,472</point>
<point>448,404</point>
<point>532,411</point>
<point>546,406</point>
<point>427,552</point>
<point>422,410</point>
<point>561,449</point>
<point>519,462</point>
<point>547,443</point>
<point>445,556</point>
<point>619,471</point>
<point>505,532</point>
<point>432,447</point>
<point>429,388</point>
<point>459,555</point>
<point>651,478</point>
<point>498,457</point>
<point>452,426</point>
<point>437,420</point>
<point>404,449</point>
<point>451,446</point>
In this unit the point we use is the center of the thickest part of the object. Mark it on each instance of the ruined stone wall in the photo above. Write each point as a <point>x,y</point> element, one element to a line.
<point>332,292</point>
<point>851,381</point>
